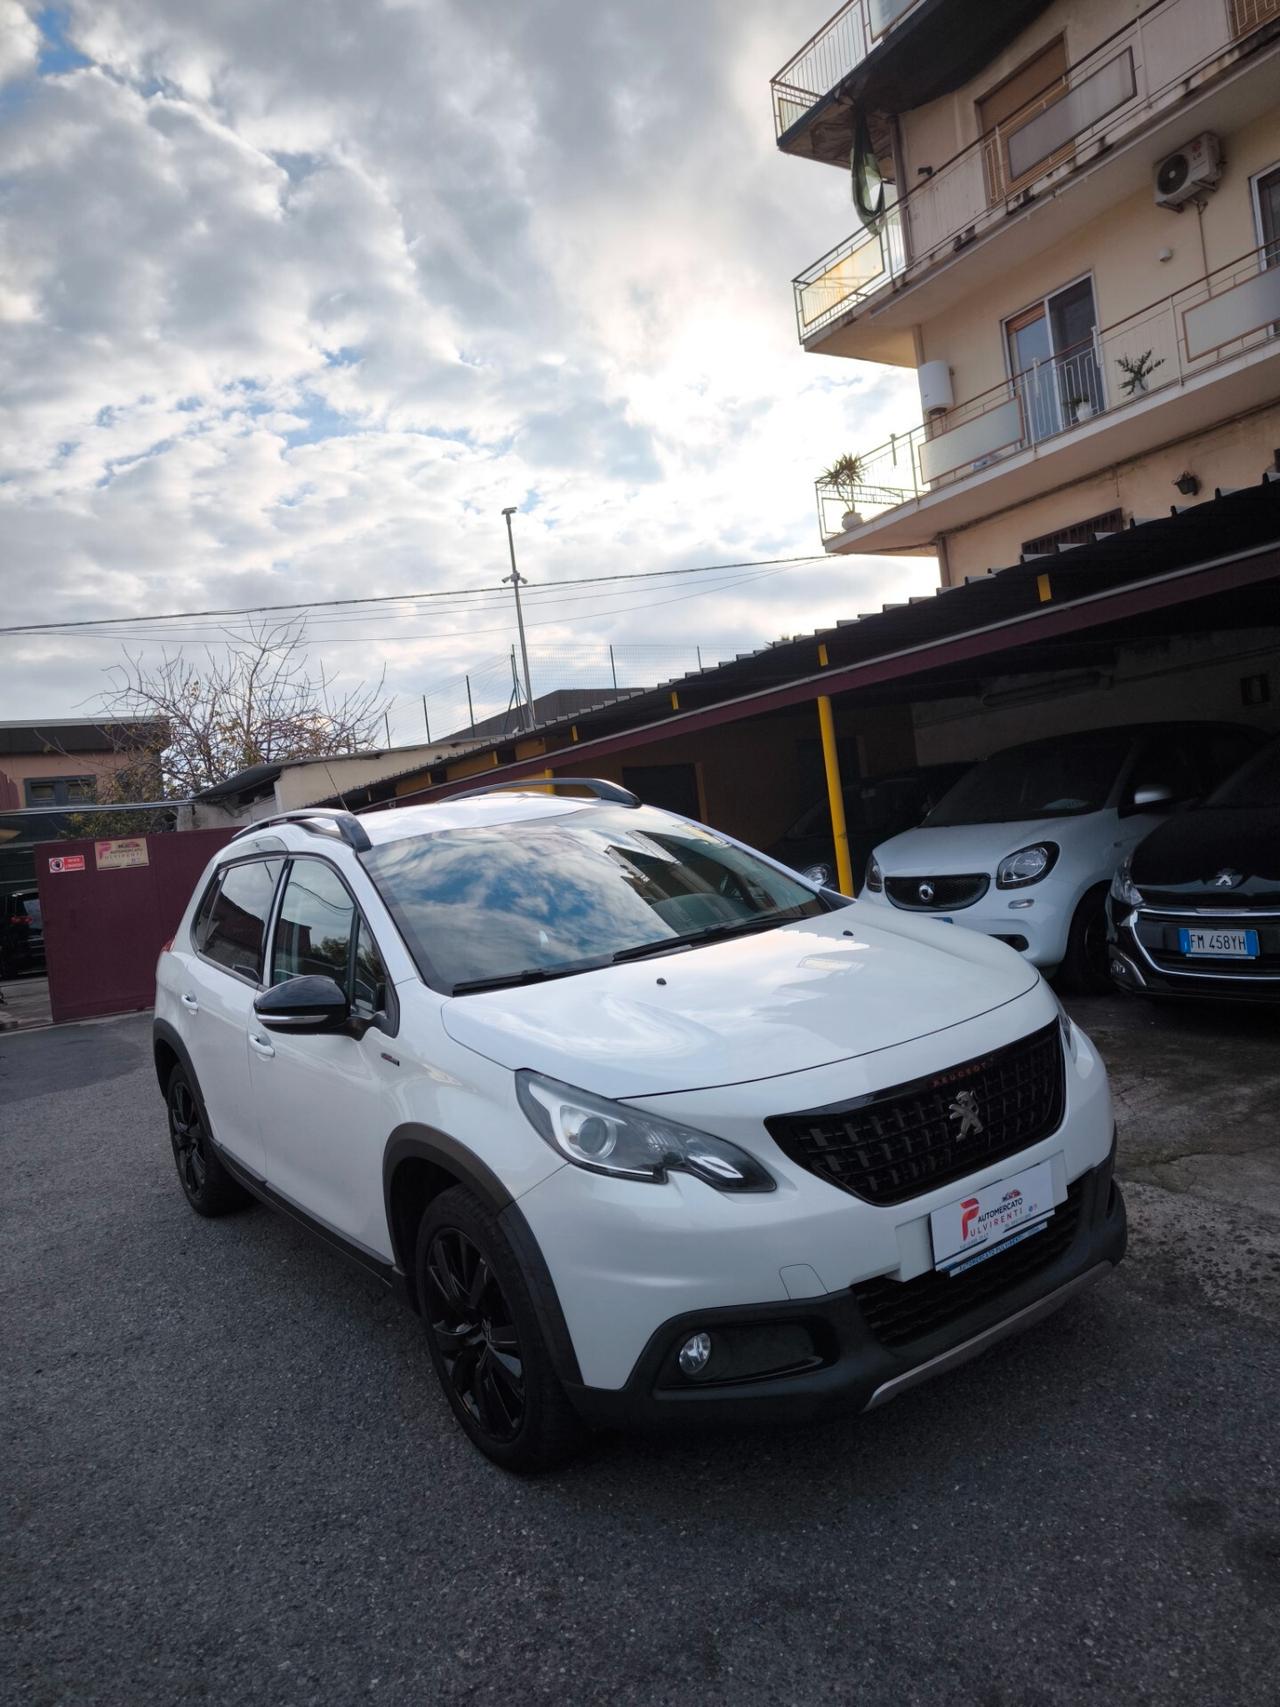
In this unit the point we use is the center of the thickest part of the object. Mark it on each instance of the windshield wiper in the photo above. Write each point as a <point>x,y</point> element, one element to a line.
<point>712,933</point>
<point>530,975</point>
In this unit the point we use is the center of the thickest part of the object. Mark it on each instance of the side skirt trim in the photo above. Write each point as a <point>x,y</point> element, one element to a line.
<point>368,1260</point>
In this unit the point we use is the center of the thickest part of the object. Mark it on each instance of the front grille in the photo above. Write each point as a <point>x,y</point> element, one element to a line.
<point>900,1142</point>
<point>941,894</point>
<point>899,1311</point>
<point>1160,939</point>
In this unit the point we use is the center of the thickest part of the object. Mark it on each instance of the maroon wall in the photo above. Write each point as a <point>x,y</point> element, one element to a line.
<point>104,929</point>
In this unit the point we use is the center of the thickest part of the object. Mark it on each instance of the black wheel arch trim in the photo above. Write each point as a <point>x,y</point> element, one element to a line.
<point>163,1032</point>
<point>425,1143</point>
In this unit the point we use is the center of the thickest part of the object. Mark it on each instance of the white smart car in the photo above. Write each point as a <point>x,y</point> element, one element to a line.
<point>1024,846</point>
<point>646,1128</point>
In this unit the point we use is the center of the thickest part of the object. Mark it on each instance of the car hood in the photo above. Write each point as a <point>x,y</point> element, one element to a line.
<point>952,849</point>
<point>1179,862</point>
<point>826,989</point>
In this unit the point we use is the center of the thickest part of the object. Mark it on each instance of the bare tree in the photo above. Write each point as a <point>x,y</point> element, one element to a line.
<point>253,702</point>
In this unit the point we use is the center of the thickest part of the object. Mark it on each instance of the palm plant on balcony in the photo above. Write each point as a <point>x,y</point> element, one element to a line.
<point>1137,370</point>
<point>846,478</point>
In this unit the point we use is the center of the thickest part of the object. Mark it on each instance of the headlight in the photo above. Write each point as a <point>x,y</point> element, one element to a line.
<point>1065,1025</point>
<point>1122,886</point>
<point>1028,865</point>
<point>875,877</point>
<point>610,1138</point>
<point>822,874</point>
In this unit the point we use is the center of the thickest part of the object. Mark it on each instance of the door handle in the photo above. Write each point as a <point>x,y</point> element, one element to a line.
<point>190,1003</point>
<point>258,1042</point>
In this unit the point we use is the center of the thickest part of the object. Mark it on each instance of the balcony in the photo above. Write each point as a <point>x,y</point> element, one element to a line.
<point>828,57</point>
<point>1149,69</point>
<point>1191,359</point>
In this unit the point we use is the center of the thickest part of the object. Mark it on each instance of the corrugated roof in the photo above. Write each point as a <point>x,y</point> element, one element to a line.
<point>1225,524</point>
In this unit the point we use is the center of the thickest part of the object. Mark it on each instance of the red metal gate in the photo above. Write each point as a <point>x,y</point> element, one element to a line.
<point>108,907</point>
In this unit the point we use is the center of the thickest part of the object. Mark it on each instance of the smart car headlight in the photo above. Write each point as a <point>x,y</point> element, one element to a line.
<point>1028,865</point>
<point>875,877</point>
<point>612,1138</point>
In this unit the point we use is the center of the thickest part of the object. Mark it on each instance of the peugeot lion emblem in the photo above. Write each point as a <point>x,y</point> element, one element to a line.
<point>964,1108</point>
<point>925,892</point>
<point>1227,879</point>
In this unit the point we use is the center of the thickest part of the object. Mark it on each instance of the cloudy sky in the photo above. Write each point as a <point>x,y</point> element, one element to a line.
<point>295,295</point>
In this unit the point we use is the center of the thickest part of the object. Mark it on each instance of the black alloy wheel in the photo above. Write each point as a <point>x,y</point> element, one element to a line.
<point>1085,968</point>
<point>186,1133</point>
<point>475,1334</point>
<point>209,1188</point>
<point>486,1339</point>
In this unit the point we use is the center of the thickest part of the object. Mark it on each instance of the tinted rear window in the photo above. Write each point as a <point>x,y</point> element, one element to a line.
<point>231,925</point>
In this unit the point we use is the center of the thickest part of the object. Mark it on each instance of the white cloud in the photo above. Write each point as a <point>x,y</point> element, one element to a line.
<point>292,312</point>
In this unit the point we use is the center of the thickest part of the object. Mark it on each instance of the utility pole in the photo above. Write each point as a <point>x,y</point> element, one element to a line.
<point>471,710</point>
<point>517,580</point>
<point>425,718</point>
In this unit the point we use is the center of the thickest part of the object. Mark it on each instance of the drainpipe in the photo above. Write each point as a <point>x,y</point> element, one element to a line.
<point>835,796</point>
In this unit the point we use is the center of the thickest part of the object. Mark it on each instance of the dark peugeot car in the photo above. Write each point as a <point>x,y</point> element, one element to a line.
<point>1195,909</point>
<point>874,810</point>
<point>21,933</point>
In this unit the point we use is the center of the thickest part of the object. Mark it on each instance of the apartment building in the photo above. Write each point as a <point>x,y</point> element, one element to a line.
<point>1068,223</point>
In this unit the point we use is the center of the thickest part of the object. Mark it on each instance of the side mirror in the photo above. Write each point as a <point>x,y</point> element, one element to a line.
<point>1148,797</point>
<point>304,1006</point>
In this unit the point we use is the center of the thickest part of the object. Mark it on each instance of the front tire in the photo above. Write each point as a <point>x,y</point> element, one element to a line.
<point>485,1341</point>
<point>209,1188</point>
<point>1085,966</point>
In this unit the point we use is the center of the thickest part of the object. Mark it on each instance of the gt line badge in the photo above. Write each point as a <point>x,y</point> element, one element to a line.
<point>964,1108</point>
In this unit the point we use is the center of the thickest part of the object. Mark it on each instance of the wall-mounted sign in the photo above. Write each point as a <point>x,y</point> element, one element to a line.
<point>121,855</point>
<point>67,862</point>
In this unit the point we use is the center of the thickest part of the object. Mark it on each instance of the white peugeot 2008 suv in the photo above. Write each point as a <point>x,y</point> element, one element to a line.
<point>645,1127</point>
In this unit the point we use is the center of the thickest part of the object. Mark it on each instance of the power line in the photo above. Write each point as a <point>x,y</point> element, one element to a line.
<point>304,606</point>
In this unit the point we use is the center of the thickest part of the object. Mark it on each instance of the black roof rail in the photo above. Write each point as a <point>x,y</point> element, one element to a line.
<point>593,784</point>
<point>325,820</point>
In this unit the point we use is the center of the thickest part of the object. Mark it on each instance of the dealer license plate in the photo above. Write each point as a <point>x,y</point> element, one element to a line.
<point>1235,945</point>
<point>975,1227</point>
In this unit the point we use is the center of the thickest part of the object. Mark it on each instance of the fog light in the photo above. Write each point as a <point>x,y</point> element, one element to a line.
<point>695,1354</point>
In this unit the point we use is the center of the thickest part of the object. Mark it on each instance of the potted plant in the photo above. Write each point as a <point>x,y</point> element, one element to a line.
<point>1137,370</point>
<point>1080,407</point>
<point>845,479</point>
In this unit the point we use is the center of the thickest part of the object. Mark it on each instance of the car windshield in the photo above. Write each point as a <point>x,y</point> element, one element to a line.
<point>1254,784</point>
<point>1045,779</point>
<point>501,902</point>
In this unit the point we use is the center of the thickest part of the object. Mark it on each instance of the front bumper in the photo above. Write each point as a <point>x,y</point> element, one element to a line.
<point>1036,925</point>
<point>1143,962</point>
<point>856,1370</point>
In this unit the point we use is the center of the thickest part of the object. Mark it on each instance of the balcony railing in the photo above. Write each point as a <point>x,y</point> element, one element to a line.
<point>1218,318</point>
<point>1140,69</point>
<point>842,43</point>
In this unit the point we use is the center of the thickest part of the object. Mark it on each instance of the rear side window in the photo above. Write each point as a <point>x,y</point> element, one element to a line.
<point>231,925</point>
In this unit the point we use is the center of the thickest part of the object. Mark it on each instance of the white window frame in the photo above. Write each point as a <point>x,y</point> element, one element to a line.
<point>1255,202</point>
<point>1011,378</point>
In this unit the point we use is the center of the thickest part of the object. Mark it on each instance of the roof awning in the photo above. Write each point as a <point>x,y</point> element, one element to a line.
<point>1225,550</point>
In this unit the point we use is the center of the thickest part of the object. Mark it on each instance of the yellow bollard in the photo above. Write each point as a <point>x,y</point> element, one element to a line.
<point>835,796</point>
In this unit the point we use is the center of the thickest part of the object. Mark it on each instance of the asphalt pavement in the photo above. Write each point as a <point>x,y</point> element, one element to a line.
<point>229,1477</point>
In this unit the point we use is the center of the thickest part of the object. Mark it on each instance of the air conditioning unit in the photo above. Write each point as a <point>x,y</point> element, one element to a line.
<point>1192,170</point>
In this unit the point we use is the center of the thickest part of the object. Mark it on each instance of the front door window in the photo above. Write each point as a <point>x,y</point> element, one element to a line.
<point>1054,363</point>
